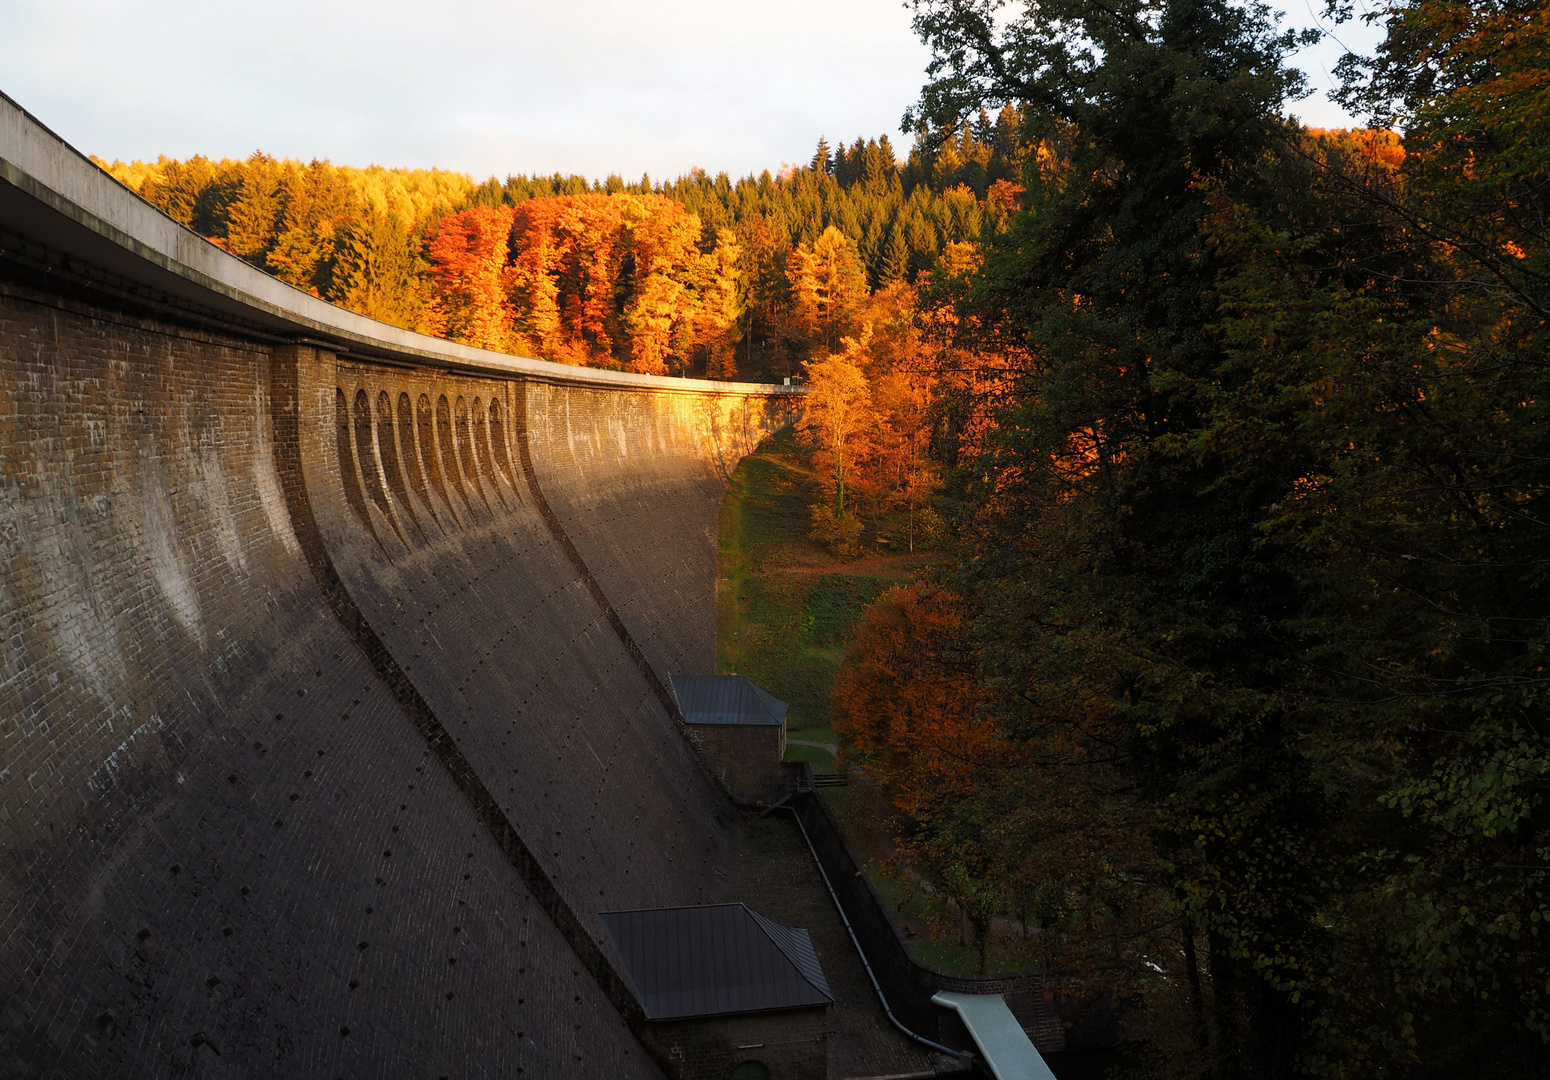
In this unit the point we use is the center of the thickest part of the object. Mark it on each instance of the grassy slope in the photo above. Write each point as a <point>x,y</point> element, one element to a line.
<point>786,608</point>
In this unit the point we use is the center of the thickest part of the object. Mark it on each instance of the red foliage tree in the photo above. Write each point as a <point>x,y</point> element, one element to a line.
<point>468,256</point>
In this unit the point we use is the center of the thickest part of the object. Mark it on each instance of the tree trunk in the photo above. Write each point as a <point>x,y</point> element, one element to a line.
<point>1224,1000</point>
<point>1196,996</point>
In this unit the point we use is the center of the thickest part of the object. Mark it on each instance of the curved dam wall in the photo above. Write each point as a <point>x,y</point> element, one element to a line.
<point>331,667</point>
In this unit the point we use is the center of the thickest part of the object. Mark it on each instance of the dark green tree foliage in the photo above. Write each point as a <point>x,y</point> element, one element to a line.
<point>378,270</point>
<point>1259,527</point>
<point>894,261</point>
<point>1109,563</point>
<point>859,189</point>
<point>974,152</point>
<point>1408,402</point>
<point>1417,346</point>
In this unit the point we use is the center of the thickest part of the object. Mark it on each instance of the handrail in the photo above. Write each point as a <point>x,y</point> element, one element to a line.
<point>962,1055</point>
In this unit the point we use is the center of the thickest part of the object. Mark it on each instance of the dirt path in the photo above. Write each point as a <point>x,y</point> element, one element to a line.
<point>872,566</point>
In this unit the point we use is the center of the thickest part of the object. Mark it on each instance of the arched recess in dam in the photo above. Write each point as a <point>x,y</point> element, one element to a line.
<point>332,665</point>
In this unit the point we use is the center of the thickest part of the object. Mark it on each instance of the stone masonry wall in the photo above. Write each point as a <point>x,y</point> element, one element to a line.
<point>637,483</point>
<point>745,758</point>
<point>229,847</point>
<point>792,1044</point>
<point>459,573</point>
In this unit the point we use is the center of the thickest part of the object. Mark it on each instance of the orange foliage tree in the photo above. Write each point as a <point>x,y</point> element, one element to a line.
<point>468,256</point>
<point>907,707</point>
<point>906,701</point>
<point>593,279</point>
<point>900,364</point>
<point>563,276</point>
<point>836,420</point>
<point>780,263</point>
<point>1023,813</point>
<point>722,298</point>
<point>670,281</point>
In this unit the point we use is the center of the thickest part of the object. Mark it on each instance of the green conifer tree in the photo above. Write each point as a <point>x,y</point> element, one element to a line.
<point>822,162</point>
<point>895,262</point>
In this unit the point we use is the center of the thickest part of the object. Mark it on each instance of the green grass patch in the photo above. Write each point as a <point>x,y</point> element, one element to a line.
<point>918,909</point>
<point>950,956</point>
<point>786,606</point>
<point>831,607</point>
<point>822,735</point>
<point>902,897</point>
<point>820,759</point>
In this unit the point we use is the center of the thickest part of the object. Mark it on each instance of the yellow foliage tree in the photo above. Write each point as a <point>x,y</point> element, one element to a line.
<point>836,420</point>
<point>664,241</point>
<point>828,287</point>
<point>723,298</point>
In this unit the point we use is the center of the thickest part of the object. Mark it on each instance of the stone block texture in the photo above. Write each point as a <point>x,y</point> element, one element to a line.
<point>791,1044</point>
<point>745,758</point>
<point>325,732</point>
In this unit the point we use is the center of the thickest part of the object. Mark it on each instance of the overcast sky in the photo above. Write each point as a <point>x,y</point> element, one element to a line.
<point>484,86</point>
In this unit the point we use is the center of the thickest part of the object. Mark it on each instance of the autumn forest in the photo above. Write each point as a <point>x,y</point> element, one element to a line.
<point>696,276</point>
<point>1225,443</point>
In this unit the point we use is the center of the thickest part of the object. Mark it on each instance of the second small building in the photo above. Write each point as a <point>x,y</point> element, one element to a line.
<point>739,729</point>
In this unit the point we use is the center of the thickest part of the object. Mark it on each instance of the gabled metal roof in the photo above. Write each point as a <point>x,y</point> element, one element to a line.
<point>726,699</point>
<point>714,960</point>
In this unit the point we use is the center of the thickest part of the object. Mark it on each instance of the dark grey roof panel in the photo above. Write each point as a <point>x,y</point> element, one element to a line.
<point>726,699</point>
<point>713,960</point>
<point>797,944</point>
<point>776,707</point>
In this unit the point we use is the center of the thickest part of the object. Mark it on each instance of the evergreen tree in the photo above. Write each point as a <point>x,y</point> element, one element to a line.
<point>254,220</point>
<point>294,220</point>
<point>379,273</point>
<point>822,163</point>
<point>1251,534</point>
<point>828,286</point>
<point>895,265</point>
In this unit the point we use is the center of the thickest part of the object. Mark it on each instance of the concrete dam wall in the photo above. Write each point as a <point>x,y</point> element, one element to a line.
<point>332,667</point>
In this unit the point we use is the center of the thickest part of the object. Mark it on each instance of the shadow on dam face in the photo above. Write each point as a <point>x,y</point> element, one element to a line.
<point>331,693</point>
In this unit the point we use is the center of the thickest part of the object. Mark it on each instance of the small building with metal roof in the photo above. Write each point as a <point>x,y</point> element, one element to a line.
<point>739,728</point>
<point>726,990</point>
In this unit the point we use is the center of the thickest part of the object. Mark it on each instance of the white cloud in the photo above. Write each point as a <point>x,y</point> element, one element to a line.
<point>1318,62</point>
<point>592,86</point>
<point>588,86</point>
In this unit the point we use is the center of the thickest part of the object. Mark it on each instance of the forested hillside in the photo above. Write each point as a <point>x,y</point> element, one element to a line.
<point>699,275</point>
<point>1232,681</point>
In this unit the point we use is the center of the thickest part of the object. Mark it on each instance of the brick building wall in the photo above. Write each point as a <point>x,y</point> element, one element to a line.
<point>792,1044</point>
<point>226,846</point>
<point>745,758</point>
